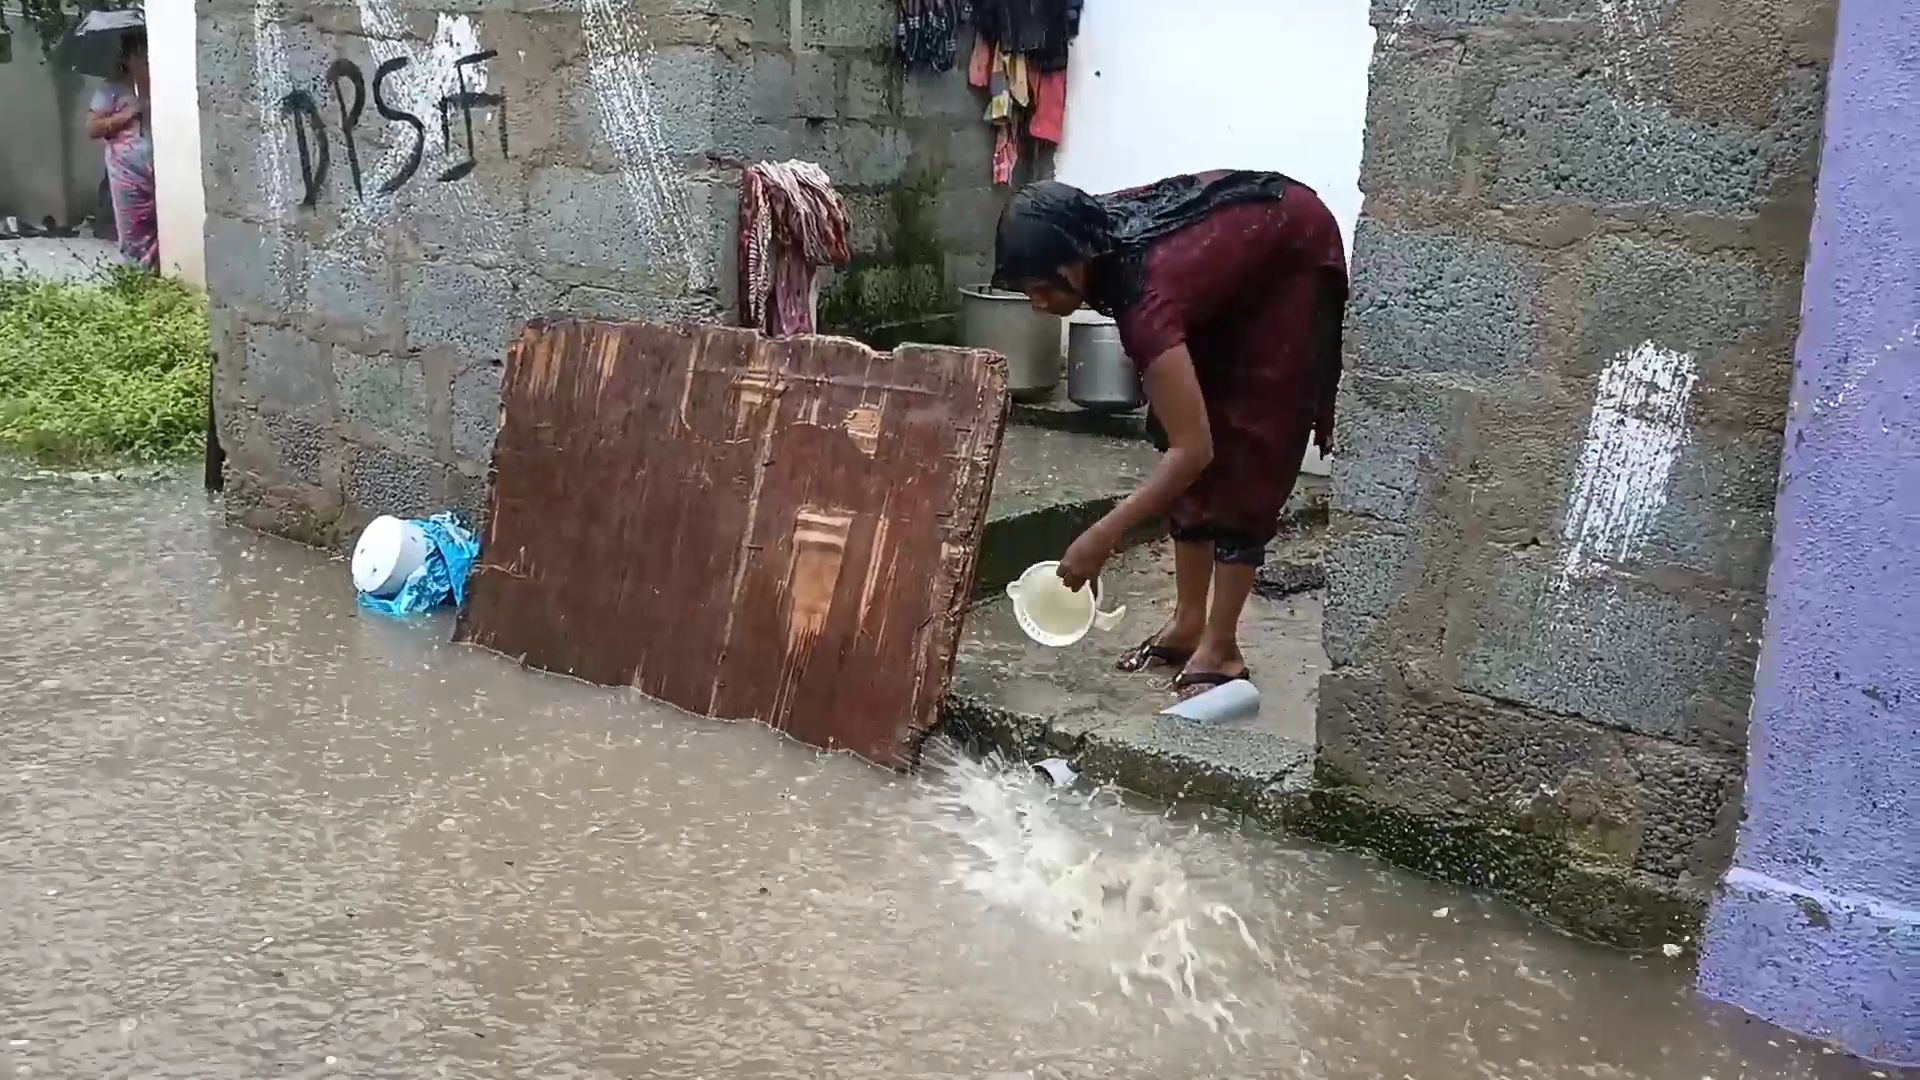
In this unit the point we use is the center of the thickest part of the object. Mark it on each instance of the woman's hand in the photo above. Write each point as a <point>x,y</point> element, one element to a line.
<point>1174,392</point>
<point>1088,554</point>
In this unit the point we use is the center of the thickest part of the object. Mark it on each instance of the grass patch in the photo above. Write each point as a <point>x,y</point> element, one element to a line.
<point>113,369</point>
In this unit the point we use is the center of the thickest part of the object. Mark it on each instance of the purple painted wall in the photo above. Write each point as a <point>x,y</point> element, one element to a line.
<point>1817,927</point>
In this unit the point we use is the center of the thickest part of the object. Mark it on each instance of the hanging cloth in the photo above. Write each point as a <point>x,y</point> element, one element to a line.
<point>924,32</point>
<point>1038,29</point>
<point>1009,96</point>
<point>1049,120</point>
<point>792,222</point>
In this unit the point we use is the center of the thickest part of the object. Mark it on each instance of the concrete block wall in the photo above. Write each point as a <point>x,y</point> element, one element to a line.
<point>360,316</point>
<point>1576,287</point>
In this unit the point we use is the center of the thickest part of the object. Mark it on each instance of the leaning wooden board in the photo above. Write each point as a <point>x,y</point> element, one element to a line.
<point>783,530</point>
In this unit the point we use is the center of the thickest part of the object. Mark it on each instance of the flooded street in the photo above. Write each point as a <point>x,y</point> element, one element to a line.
<point>247,832</point>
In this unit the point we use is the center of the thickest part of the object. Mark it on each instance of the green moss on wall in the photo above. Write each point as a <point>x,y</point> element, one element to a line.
<point>900,293</point>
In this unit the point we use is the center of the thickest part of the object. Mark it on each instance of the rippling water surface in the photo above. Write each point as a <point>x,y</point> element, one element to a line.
<point>246,832</point>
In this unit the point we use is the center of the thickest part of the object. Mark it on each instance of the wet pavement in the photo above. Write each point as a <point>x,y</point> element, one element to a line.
<point>67,259</point>
<point>1041,469</point>
<point>1079,696</point>
<point>247,832</point>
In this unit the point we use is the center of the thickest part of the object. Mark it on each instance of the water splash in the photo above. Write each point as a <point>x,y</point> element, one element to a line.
<point>619,58</point>
<point>1078,864</point>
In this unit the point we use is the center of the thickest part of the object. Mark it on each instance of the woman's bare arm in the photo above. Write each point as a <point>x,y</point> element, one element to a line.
<point>105,125</point>
<point>1173,390</point>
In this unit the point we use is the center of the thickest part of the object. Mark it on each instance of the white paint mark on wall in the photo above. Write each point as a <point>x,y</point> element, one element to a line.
<point>1628,29</point>
<point>617,62</point>
<point>1636,432</point>
<point>1401,19</point>
<point>416,89</point>
<point>271,83</point>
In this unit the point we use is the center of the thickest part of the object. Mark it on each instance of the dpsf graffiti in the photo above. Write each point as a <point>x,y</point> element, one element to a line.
<point>349,90</point>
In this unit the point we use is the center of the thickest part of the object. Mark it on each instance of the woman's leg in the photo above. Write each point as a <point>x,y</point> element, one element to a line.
<point>1233,567</point>
<point>1180,634</point>
<point>1192,574</point>
<point>1285,352</point>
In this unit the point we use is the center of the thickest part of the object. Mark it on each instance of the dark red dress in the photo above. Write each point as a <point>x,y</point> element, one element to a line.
<point>1256,293</point>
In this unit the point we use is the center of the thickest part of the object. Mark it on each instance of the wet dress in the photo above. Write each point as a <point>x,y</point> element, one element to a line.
<point>1255,289</point>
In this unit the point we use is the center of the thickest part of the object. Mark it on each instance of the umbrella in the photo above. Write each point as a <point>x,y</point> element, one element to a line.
<point>92,46</point>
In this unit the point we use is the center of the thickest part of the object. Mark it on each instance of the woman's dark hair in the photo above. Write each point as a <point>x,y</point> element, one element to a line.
<point>133,43</point>
<point>1048,225</point>
<point>1045,226</point>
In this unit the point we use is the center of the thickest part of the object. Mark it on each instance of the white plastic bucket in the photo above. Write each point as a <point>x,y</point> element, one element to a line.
<point>388,553</point>
<point>1052,614</point>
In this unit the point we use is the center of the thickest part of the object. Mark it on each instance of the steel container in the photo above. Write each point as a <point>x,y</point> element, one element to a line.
<point>1006,323</point>
<point>1100,375</point>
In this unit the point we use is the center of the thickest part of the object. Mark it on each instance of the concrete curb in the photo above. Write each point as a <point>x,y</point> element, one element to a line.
<point>1271,787</point>
<point>1612,906</point>
<point>1621,908</point>
<point>1012,542</point>
<point>1058,414</point>
<point>1278,784</point>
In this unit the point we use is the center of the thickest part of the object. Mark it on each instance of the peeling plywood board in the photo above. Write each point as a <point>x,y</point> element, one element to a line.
<point>782,530</point>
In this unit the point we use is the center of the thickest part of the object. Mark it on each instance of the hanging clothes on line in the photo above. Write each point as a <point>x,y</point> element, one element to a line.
<point>1018,60</point>
<point>925,32</point>
<point>1049,120</point>
<point>1039,29</point>
<point>792,223</point>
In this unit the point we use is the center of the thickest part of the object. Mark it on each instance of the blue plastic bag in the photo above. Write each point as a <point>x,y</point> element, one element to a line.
<point>451,553</point>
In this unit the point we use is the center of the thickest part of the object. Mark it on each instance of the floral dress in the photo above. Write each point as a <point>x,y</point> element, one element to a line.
<point>130,178</point>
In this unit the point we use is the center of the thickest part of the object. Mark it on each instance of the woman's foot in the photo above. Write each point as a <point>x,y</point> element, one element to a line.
<point>1172,647</point>
<point>1210,666</point>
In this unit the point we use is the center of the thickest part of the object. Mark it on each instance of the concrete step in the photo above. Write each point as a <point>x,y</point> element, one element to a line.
<point>1024,700</point>
<point>1053,482</point>
<point>1059,414</point>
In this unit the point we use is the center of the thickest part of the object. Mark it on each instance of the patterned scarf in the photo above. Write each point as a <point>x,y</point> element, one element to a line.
<point>792,223</point>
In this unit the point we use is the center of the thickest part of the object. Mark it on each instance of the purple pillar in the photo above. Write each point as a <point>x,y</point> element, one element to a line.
<point>1817,926</point>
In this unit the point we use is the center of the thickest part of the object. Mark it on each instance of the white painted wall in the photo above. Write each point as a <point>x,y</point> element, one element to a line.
<point>172,56</point>
<point>1163,87</point>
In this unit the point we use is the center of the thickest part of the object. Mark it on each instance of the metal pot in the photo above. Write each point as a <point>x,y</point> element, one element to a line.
<point>1100,375</point>
<point>1007,324</point>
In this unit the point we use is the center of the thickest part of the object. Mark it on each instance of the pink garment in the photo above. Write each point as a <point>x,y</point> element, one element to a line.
<point>1049,106</point>
<point>792,223</point>
<point>1006,153</point>
<point>980,63</point>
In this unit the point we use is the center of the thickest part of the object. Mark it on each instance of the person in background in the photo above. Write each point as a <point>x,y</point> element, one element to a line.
<point>1228,289</point>
<point>118,117</point>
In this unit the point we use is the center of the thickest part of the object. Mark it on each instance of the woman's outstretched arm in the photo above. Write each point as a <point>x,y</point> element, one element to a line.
<point>1173,391</point>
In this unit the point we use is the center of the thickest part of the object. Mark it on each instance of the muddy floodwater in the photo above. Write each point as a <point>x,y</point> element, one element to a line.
<point>246,832</point>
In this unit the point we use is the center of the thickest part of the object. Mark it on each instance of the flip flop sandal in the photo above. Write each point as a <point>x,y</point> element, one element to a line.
<point>1151,652</point>
<point>1209,679</point>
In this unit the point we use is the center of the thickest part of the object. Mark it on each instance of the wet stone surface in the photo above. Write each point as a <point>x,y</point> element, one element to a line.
<point>1042,468</point>
<point>246,831</point>
<point>1078,691</point>
<point>1049,486</point>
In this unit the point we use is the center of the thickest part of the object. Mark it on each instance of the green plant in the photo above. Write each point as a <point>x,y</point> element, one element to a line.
<point>112,369</point>
<point>51,18</point>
